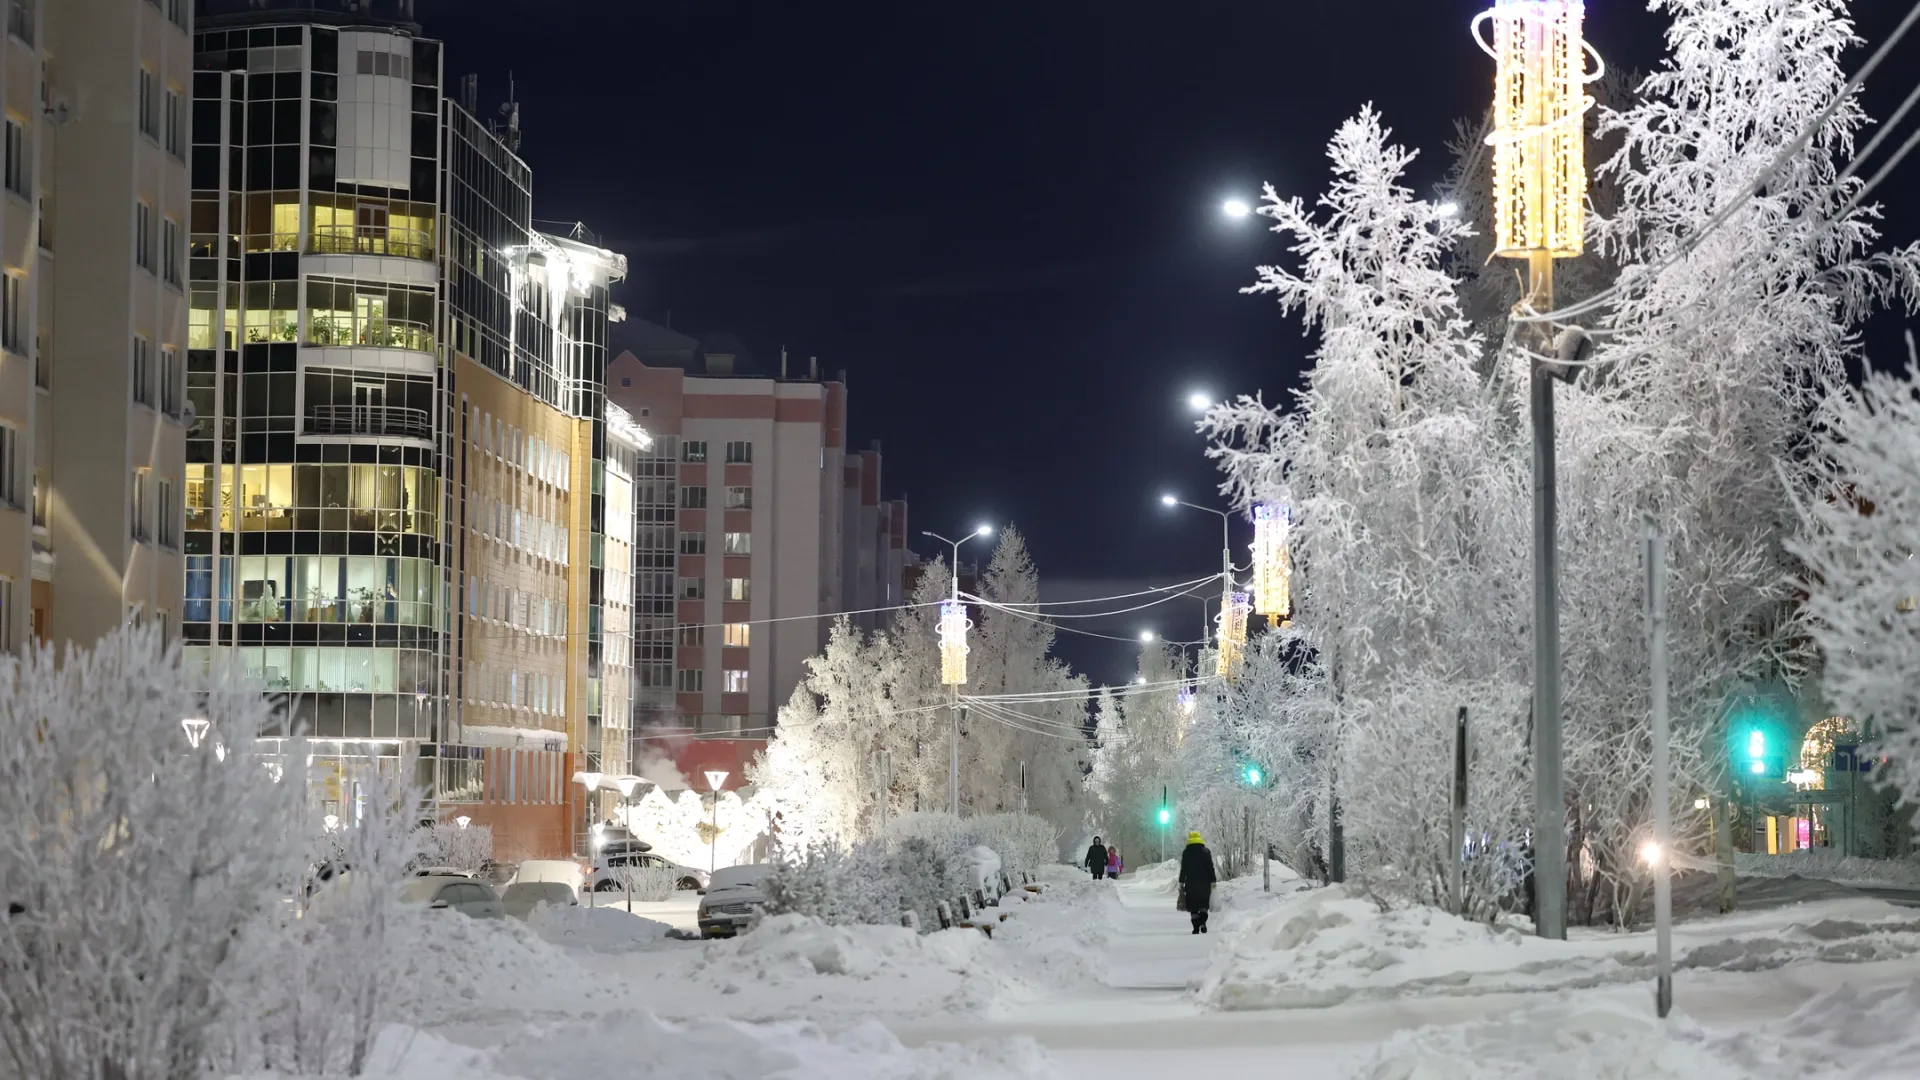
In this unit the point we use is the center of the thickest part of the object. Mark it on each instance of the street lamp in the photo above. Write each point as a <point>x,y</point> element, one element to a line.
<point>953,658</point>
<point>463,821</point>
<point>589,783</point>
<point>196,729</point>
<point>1447,209</point>
<point>1236,208</point>
<point>1198,401</point>
<point>715,777</point>
<point>1226,540</point>
<point>1146,637</point>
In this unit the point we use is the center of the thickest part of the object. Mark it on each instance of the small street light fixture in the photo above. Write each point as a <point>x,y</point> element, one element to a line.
<point>1198,401</point>
<point>463,821</point>
<point>1236,208</point>
<point>1146,637</point>
<point>196,729</point>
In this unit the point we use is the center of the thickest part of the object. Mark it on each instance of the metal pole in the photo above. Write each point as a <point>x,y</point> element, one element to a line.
<point>1549,791</point>
<point>953,766</point>
<point>1336,833</point>
<point>1165,823</point>
<point>713,835</point>
<point>1662,811</point>
<point>1457,824</point>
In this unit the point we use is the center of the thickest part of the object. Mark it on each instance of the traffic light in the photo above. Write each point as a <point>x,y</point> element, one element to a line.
<point>1757,741</point>
<point>1253,775</point>
<point>1166,816</point>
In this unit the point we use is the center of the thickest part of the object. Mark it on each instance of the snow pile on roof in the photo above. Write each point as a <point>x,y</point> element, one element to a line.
<point>604,929</point>
<point>1594,1038</point>
<point>642,1045</point>
<point>448,967</point>
<point>1826,864</point>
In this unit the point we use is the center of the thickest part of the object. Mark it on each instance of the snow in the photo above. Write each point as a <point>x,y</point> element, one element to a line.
<point>1825,864</point>
<point>604,929</point>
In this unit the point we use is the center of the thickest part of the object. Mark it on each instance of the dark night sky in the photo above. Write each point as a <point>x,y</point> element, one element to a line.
<point>1001,219</point>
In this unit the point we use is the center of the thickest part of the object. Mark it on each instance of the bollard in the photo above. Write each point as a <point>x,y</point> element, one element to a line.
<point>910,919</point>
<point>946,915</point>
<point>979,899</point>
<point>966,911</point>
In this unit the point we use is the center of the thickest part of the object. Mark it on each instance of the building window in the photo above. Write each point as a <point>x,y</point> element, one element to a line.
<point>175,121</point>
<point>13,314</point>
<point>142,372</point>
<point>737,588</point>
<point>690,680</point>
<point>143,235</point>
<point>737,634</point>
<point>6,614</point>
<point>41,497</point>
<point>736,681</point>
<point>739,453</point>
<point>693,543</point>
<point>170,251</point>
<point>20,20</point>
<point>138,525</point>
<point>693,588</point>
<point>170,381</point>
<point>739,543</point>
<point>693,498</point>
<point>694,450</point>
<point>149,107</point>
<point>10,465</point>
<point>166,515</point>
<point>693,634</point>
<point>739,498</point>
<point>177,13</point>
<point>19,177</point>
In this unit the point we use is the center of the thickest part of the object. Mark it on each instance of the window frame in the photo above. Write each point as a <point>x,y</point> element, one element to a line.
<point>739,451</point>
<point>19,169</point>
<point>739,497</point>
<point>689,680</point>
<point>693,451</point>
<point>738,543</point>
<point>737,590</point>
<point>737,635</point>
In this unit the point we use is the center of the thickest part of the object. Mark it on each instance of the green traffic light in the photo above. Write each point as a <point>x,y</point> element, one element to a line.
<point>1253,775</point>
<point>1166,815</point>
<point>1756,743</point>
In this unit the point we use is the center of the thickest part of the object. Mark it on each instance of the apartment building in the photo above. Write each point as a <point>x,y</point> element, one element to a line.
<point>743,537</point>
<point>394,480</point>
<point>92,315</point>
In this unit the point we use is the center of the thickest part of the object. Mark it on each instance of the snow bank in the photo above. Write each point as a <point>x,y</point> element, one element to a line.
<point>642,1045</point>
<point>1592,1038</point>
<point>448,967</point>
<point>1058,938</point>
<point>1825,864</point>
<point>606,929</point>
<point>1324,946</point>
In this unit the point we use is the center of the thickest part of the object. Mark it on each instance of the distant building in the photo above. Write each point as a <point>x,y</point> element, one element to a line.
<point>752,522</point>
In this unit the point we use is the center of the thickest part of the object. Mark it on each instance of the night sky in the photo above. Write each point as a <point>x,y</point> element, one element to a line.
<point>1000,219</point>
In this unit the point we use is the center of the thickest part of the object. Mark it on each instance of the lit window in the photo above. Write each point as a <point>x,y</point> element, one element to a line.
<point>737,588</point>
<point>739,543</point>
<point>737,634</point>
<point>736,681</point>
<point>739,498</point>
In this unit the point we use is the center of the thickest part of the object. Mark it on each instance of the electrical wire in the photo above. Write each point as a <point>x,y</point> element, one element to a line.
<point>1097,599</point>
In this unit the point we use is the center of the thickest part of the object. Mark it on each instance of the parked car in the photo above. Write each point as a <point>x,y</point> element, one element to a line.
<point>522,897</point>
<point>440,871</point>
<point>565,871</point>
<point>497,874</point>
<point>464,895</point>
<point>605,879</point>
<point>733,898</point>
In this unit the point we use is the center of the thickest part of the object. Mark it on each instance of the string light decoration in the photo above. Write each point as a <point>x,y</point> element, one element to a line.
<point>1272,563</point>
<point>1233,632</point>
<point>1538,138</point>
<point>953,643</point>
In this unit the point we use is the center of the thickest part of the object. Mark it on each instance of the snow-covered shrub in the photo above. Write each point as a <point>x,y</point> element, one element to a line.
<point>1023,841</point>
<point>133,863</point>
<point>649,883</point>
<point>836,885</point>
<point>447,844</point>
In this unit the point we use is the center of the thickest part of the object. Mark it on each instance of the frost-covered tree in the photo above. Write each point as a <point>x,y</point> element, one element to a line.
<point>132,862</point>
<point>1410,509</point>
<point>1137,760</point>
<point>1861,534</point>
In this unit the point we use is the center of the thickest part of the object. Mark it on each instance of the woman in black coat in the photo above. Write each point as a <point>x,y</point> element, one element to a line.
<point>1097,859</point>
<point>1196,880</point>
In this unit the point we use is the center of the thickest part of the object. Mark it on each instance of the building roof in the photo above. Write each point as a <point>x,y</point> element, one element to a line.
<point>216,14</point>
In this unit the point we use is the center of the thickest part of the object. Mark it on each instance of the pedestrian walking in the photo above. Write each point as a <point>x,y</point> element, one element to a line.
<point>1097,859</point>
<point>1113,862</point>
<point>1196,881</point>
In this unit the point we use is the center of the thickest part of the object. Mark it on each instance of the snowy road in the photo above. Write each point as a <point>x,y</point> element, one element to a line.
<point>1145,1022</point>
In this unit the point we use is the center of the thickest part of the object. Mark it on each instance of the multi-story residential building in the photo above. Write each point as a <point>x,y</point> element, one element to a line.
<point>393,481</point>
<point>742,539</point>
<point>92,315</point>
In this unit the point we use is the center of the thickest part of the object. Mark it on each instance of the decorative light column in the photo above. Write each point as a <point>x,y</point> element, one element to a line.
<point>1539,209</point>
<point>1272,564</point>
<point>1233,633</point>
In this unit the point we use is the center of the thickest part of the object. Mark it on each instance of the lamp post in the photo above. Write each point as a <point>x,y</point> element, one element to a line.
<point>953,670</point>
<point>715,777</point>
<point>1539,181</point>
<point>1226,557</point>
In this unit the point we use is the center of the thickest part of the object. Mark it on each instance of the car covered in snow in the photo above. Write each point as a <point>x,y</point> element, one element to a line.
<point>523,896</point>
<point>464,895</point>
<point>637,855</point>
<point>734,897</point>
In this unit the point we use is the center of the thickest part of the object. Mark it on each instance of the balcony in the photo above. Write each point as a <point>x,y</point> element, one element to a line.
<point>376,421</point>
<point>379,333</point>
<point>370,240</point>
<point>20,20</point>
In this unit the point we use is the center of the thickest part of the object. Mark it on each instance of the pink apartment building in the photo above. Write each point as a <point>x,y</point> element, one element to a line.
<point>753,524</point>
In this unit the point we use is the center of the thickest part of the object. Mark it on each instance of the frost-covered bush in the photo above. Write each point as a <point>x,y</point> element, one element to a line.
<point>447,844</point>
<point>649,883</point>
<point>133,863</point>
<point>836,885</point>
<point>1023,841</point>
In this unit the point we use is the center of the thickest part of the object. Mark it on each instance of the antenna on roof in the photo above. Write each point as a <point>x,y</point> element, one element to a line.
<point>511,110</point>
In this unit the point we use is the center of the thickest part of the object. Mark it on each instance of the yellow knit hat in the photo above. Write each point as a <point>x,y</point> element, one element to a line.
<point>1194,838</point>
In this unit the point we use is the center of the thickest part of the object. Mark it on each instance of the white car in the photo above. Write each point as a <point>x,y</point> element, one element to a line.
<point>523,896</point>
<point>733,898</point>
<point>605,879</point>
<point>464,895</point>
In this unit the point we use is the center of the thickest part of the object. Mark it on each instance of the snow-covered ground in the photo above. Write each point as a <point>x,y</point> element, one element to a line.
<point>1105,979</point>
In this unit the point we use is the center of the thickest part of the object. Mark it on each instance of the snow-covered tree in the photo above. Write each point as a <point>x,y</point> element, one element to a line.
<point>131,861</point>
<point>1137,760</point>
<point>1861,535</point>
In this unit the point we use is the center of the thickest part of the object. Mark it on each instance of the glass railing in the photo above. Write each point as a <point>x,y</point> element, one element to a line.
<point>377,333</point>
<point>364,240</point>
<point>374,420</point>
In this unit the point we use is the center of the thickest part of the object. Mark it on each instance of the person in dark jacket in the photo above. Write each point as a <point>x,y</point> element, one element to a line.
<point>1097,859</point>
<point>1196,880</point>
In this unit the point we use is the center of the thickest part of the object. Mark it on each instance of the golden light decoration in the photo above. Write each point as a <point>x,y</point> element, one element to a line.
<point>953,643</point>
<point>1272,563</point>
<point>1233,632</point>
<point>1538,138</point>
